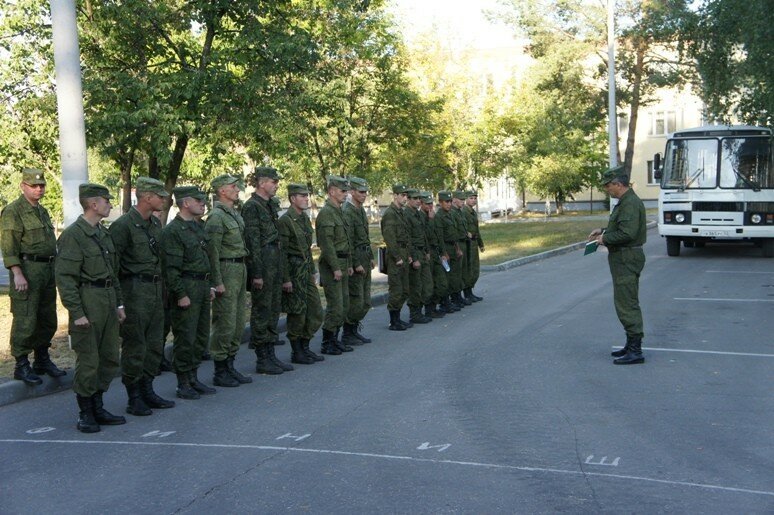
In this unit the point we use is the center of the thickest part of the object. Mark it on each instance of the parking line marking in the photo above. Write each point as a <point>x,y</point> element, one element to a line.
<point>723,300</point>
<point>736,272</point>
<point>405,458</point>
<point>693,351</point>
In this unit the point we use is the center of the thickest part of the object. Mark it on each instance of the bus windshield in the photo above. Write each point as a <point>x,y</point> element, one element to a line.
<point>691,163</point>
<point>746,163</point>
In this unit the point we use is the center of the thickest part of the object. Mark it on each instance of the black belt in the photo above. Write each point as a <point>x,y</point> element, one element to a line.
<point>364,246</point>
<point>450,242</point>
<point>233,260</point>
<point>271,244</point>
<point>99,283</point>
<point>462,239</point>
<point>37,259</point>
<point>403,245</point>
<point>619,249</point>
<point>143,278</point>
<point>194,275</point>
<point>342,255</point>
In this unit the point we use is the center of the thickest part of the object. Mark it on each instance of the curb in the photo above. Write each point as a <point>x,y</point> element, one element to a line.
<point>15,391</point>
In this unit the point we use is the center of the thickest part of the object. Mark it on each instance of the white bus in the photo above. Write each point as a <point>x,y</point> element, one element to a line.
<point>717,184</point>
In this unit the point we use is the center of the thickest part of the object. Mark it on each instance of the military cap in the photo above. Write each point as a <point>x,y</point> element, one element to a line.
<point>358,184</point>
<point>295,188</point>
<point>427,197</point>
<point>339,182</point>
<point>188,192</point>
<point>412,193</point>
<point>613,174</point>
<point>444,196</point>
<point>223,180</point>
<point>91,190</point>
<point>266,171</point>
<point>150,185</point>
<point>33,176</point>
<point>472,193</point>
<point>399,188</point>
<point>461,195</point>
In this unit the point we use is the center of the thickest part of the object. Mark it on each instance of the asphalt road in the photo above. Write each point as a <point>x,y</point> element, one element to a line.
<point>510,406</point>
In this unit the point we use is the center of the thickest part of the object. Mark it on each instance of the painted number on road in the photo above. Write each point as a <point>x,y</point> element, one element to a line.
<point>39,430</point>
<point>297,438</point>
<point>603,461</point>
<point>158,434</point>
<point>426,446</point>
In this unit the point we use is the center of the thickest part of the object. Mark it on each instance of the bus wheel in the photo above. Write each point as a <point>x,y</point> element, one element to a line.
<point>673,246</point>
<point>768,247</point>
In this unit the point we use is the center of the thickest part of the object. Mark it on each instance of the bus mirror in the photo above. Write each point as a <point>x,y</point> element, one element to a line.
<point>657,167</point>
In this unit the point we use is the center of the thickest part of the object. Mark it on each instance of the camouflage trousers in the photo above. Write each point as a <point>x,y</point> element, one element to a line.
<point>34,310</point>
<point>142,343</point>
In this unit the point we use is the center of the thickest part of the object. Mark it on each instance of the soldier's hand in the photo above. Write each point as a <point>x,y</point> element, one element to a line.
<point>459,253</point>
<point>593,235</point>
<point>350,271</point>
<point>212,294</point>
<point>373,264</point>
<point>337,275</point>
<point>121,312</point>
<point>427,257</point>
<point>600,240</point>
<point>257,284</point>
<point>82,322</point>
<point>184,302</point>
<point>482,250</point>
<point>416,265</point>
<point>287,287</point>
<point>19,281</point>
<point>220,290</point>
<point>360,269</point>
<point>470,235</point>
<point>399,262</point>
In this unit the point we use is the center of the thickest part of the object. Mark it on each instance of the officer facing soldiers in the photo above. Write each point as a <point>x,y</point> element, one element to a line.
<point>624,237</point>
<point>395,231</point>
<point>225,229</point>
<point>28,246</point>
<point>474,245</point>
<point>420,257</point>
<point>300,298</point>
<point>88,286</point>
<point>362,262</point>
<point>187,275</point>
<point>434,255</point>
<point>335,264</point>
<point>462,236</point>
<point>263,244</point>
<point>136,236</point>
<point>449,233</point>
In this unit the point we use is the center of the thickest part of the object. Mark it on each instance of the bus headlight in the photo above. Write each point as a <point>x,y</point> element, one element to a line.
<point>756,218</point>
<point>680,218</point>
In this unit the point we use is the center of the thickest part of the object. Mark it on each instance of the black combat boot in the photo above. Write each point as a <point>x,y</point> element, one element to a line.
<point>623,351</point>
<point>193,380</point>
<point>348,336</point>
<point>634,355</point>
<point>264,364</point>
<point>453,304</point>
<point>472,296</point>
<point>103,416</point>
<point>416,316</point>
<point>44,365</point>
<point>243,379</point>
<point>221,377</point>
<point>86,421</point>
<point>23,372</point>
<point>462,301</point>
<point>395,324</point>
<point>445,306</point>
<point>343,347</point>
<point>407,325</point>
<point>359,336</point>
<point>308,351</point>
<point>298,355</point>
<point>165,366</point>
<point>329,343</point>
<point>151,398</point>
<point>184,389</point>
<point>432,312</point>
<point>136,406</point>
<point>279,341</point>
<point>206,356</point>
<point>286,367</point>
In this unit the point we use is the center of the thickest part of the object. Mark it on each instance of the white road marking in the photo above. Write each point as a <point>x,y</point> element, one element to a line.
<point>736,272</point>
<point>159,434</point>
<point>294,437</point>
<point>426,445</point>
<point>404,458</point>
<point>603,461</point>
<point>723,300</point>
<point>39,430</point>
<point>693,351</point>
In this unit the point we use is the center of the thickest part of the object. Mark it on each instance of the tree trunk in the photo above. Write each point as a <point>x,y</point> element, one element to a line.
<point>125,164</point>
<point>639,67</point>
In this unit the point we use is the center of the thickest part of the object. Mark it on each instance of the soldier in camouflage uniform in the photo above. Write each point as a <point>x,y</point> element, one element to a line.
<point>136,235</point>
<point>187,275</point>
<point>458,273</point>
<point>300,298</point>
<point>435,254</point>
<point>420,258</point>
<point>449,234</point>
<point>28,245</point>
<point>624,237</point>
<point>227,251</point>
<point>89,289</point>
<point>474,244</point>
<point>397,239</point>
<point>263,243</point>
<point>362,262</point>
<point>335,264</point>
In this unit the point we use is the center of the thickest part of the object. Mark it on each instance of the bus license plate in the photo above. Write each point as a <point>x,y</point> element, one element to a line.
<point>713,233</point>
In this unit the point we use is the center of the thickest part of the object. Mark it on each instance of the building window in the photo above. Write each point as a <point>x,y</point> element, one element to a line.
<point>662,123</point>
<point>623,124</point>
<point>651,179</point>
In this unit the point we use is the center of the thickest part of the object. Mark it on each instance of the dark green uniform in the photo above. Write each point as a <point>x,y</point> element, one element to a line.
<point>27,240</point>
<point>88,286</point>
<point>136,241</point>
<point>440,280</point>
<point>359,284</point>
<point>458,266</point>
<point>431,256</point>
<point>418,288</point>
<point>449,232</point>
<point>475,244</point>
<point>225,228</point>
<point>335,254</point>
<point>395,231</point>
<point>624,237</point>
<point>187,273</point>
<point>263,244</point>
<point>302,305</point>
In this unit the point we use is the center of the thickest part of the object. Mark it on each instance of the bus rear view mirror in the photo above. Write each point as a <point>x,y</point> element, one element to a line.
<point>657,167</point>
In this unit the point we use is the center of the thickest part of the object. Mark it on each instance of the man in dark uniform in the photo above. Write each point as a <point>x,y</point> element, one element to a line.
<point>263,244</point>
<point>395,231</point>
<point>187,275</point>
<point>420,257</point>
<point>624,237</point>
<point>225,229</point>
<point>88,286</point>
<point>460,271</point>
<point>300,298</point>
<point>28,246</point>
<point>448,234</point>
<point>434,254</point>
<point>335,264</point>
<point>474,244</point>
<point>136,235</point>
<point>362,262</point>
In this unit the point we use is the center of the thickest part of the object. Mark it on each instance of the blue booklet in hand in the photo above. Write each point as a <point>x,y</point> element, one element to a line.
<point>591,247</point>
